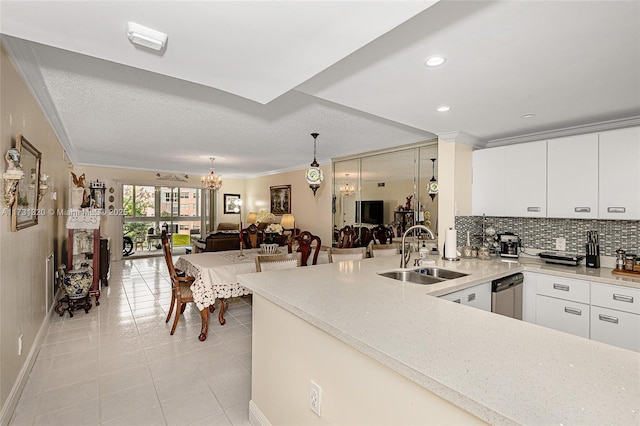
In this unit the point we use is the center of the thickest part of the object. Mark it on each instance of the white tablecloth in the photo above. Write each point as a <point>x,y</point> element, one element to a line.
<point>215,273</point>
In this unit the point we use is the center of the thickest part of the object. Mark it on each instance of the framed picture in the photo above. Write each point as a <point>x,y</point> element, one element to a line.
<point>24,212</point>
<point>230,206</point>
<point>280,199</point>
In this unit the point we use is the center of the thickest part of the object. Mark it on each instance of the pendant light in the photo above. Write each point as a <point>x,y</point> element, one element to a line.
<point>211,181</point>
<point>433,183</point>
<point>347,189</point>
<point>314,174</point>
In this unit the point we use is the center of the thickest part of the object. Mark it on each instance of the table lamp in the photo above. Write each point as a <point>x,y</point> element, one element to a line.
<point>288,222</point>
<point>252,217</point>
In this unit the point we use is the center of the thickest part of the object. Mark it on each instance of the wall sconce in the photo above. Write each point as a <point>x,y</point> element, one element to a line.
<point>12,176</point>
<point>43,187</point>
<point>314,174</point>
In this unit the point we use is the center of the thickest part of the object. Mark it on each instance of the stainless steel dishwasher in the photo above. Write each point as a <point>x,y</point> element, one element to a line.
<point>506,296</point>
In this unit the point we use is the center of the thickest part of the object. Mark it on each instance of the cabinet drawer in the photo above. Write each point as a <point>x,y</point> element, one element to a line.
<point>616,297</point>
<point>563,288</point>
<point>616,328</point>
<point>478,296</point>
<point>563,315</point>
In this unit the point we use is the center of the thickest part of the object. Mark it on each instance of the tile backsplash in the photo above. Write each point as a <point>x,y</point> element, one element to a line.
<point>540,233</point>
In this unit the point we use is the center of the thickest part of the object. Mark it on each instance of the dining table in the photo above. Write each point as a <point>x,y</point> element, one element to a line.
<point>215,277</point>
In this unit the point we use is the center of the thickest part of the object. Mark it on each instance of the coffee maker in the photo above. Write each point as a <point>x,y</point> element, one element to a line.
<point>509,244</point>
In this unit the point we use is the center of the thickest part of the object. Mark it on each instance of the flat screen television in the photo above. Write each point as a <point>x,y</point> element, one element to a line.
<point>370,212</point>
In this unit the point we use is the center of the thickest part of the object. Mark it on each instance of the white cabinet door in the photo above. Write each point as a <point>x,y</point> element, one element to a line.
<point>619,187</point>
<point>478,296</point>
<point>487,190</point>
<point>616,328</point>
<point>572,177</point>
<point>563,315</point>
<point>563,288</point>
<point>525,191</point>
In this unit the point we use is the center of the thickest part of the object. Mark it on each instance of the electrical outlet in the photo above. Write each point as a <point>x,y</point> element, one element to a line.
<point>561,244</point>
<point>315,394</point>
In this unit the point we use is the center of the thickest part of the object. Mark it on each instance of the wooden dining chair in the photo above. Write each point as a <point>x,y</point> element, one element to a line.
<point>180,285</point>
<point>346,237</point>
<point>252,236</point>
<point>337,254</point>
<point>273,262</point>
<point>380,250</point>
<point>305,245</point>
<point>382,234</point>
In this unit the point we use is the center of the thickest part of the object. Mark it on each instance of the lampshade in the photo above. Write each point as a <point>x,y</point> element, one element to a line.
<point>288,221</point>
<point>252,217</point>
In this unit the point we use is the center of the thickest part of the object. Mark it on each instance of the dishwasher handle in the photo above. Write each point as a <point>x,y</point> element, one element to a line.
<point>507,282</point>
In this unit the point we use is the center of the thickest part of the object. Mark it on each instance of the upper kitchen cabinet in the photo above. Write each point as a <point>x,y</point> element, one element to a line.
<point>572,177</point>
<point>487,189</point>
<point>619,186</point>
<point>497,191</point>
<point>526,191</point>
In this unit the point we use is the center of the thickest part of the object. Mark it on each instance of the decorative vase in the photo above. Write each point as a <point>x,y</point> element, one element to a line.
<point>77,197</point>
<point>77,283</point>
<point>269,248</point>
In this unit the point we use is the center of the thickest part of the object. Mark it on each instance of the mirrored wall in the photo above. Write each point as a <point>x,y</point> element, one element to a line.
<point>397,188</point>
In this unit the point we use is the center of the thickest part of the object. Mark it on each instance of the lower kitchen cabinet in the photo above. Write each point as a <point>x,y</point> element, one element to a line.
<point>616,328</point>
<point>563,315</point>
<point>529,294</point>
<point>615,315</point>
<point>478,296</point>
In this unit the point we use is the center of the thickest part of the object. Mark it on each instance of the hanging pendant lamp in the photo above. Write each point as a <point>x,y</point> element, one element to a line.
<point>347,189</point>
<point>432,190</point>
<point>314,174</point>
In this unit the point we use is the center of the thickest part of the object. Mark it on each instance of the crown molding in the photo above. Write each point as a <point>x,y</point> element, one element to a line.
<point>459,136</point>
<point>568,131</point>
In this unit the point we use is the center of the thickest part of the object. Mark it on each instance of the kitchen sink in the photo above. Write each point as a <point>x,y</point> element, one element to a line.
<point>424,276</point>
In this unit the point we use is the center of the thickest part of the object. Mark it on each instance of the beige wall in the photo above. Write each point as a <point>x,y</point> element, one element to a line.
<point>288,353</point>
<point>26,296</point>
<point>312,213</point>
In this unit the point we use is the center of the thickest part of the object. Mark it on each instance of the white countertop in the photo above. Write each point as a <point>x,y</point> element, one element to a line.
<point>502,370</point>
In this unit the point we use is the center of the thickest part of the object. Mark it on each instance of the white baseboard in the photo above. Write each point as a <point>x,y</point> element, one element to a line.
<point>16,391</point>
<point>256,418</point>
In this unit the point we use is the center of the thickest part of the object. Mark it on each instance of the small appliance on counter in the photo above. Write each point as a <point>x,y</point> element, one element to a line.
<point>509,244</point>
<point>561,257</point>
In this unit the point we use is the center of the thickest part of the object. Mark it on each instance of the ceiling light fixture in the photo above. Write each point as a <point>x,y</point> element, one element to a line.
<point>314,174</point>
<point>211,181</point>
<point>145,36</point>
<point>528,115</point>
<point>434,61</point>
<point>347,189</point>
<point>443,108</point>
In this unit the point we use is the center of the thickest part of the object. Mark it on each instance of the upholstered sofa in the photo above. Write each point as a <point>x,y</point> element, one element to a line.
<point>225,237</point>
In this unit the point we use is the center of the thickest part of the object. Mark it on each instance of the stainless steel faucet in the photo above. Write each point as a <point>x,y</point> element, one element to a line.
<point>404,259</point>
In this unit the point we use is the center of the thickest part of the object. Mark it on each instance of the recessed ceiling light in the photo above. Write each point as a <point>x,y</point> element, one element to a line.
<point>434,61</point>
<point>527,115</point>
<point>443,108</point>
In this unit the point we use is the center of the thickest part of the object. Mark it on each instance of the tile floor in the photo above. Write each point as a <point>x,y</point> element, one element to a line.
<point>118,365</point>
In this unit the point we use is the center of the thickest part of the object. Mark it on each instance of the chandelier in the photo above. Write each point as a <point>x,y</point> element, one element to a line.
<point>347,189</point>
<point>314,174</point>
<point>211,181</point>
